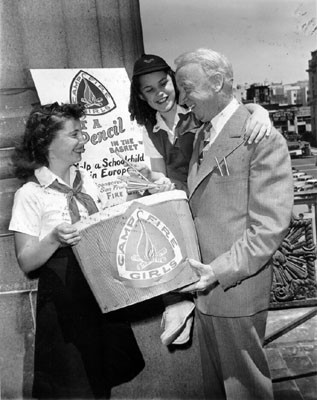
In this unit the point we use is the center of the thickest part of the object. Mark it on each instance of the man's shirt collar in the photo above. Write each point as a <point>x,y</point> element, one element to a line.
<point>219,121</point>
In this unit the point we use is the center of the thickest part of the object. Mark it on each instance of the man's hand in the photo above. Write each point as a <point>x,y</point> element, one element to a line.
<point>207,278</point>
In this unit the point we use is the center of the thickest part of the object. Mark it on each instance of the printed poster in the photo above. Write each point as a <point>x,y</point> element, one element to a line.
<point>106,127</point>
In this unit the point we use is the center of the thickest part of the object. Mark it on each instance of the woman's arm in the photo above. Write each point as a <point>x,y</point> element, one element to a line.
<point>156,174</point>
<point>158,165</point>
<point>157,170</point>
<point>32,253</point>
<point>258,125</point>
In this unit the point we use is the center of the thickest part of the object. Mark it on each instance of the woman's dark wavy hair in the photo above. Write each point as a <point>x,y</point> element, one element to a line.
<point>139,109</point>
<point>41,127</point>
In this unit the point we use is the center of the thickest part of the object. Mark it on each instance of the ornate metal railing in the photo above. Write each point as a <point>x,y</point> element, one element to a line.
<point>294,273</point>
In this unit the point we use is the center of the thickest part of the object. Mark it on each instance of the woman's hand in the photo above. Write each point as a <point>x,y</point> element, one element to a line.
<point>32,253</point>
<point>141,168</point>
<point>66,234</point>
<point>164,184</point>
<point>258,124</point>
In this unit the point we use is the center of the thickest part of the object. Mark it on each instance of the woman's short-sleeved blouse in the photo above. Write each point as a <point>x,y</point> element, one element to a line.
<point>37,208</point>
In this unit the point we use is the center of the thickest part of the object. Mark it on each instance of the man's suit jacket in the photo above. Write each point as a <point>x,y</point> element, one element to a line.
<point>240,219</point>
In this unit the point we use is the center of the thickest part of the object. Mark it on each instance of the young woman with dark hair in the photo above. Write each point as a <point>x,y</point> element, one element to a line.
<point>79,352</point>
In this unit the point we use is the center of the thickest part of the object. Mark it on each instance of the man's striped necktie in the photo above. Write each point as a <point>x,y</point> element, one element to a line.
<point>205,141</point>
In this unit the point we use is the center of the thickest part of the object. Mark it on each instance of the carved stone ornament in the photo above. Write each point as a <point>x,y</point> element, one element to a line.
<point>294,273</point>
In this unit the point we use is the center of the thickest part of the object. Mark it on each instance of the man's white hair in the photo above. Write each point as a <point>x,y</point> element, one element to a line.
<point>211,62</point>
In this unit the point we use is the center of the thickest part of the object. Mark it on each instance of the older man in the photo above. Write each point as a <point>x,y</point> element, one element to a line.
<point>241,197</point>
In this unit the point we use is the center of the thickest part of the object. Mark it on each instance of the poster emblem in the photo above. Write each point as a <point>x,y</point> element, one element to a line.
<point>147,252</point>
<point>88,91</point>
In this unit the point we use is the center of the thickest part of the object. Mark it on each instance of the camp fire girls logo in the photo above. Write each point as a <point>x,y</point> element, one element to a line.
<point>88,91</point>
<point>147,252</point>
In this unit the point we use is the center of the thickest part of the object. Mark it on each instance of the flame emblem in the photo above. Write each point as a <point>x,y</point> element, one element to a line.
<point>146,251</point>
<point>87,90</point>
<point>89,98</point>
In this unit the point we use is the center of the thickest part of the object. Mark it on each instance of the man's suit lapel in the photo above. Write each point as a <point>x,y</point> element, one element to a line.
<point>193,165</point>
<point>230,136</point>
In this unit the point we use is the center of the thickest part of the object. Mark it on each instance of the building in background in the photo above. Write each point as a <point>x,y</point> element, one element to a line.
<point>283,118</point>
<point>278,93</point>
<point>287,105</point>
<point>302,96</point>
<point>303,123</point>
<point>312,93</point>
<point>291,95</point>
<point>297,93</point>
<point>257,93</point>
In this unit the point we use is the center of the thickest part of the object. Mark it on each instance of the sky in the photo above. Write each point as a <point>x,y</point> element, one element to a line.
<point>265,40</point>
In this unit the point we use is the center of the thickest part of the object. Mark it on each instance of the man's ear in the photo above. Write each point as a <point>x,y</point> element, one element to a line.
<point>218,81</point>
